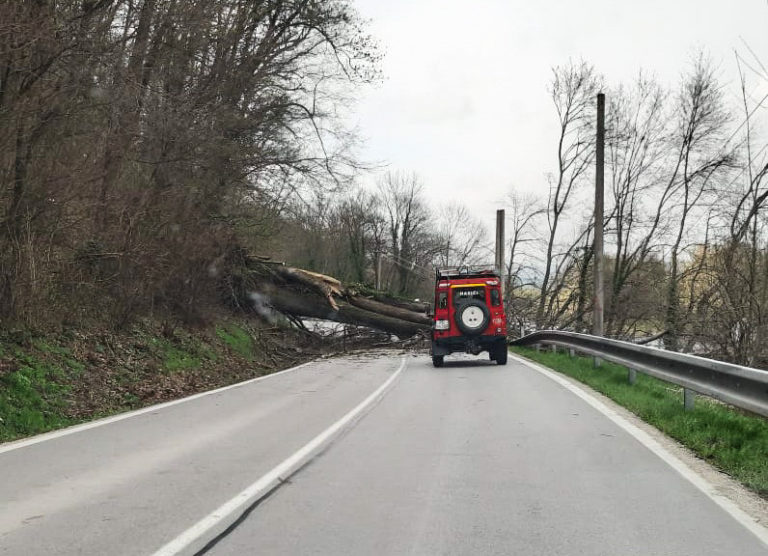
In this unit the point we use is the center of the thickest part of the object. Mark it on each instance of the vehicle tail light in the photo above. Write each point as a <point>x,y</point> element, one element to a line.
<point>442,324</point>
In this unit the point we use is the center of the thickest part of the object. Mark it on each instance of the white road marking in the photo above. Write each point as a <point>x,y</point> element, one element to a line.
<point>202,532</point>
<point>649,442</point>
<point>17,444</point>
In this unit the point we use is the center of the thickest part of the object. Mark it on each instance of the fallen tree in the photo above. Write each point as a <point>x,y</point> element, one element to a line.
<point>300,293</point>
<point>389,310</point>
<point>305,305</point>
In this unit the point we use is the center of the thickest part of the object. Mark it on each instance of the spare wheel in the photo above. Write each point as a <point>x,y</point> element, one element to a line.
<point>472,317</point>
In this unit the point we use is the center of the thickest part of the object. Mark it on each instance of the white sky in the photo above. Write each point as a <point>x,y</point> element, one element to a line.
<point>465,105</point>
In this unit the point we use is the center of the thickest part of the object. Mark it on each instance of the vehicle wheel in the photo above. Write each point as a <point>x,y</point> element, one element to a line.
<point>437,360</point>
<point>501,355</point>
<point>472,317</point>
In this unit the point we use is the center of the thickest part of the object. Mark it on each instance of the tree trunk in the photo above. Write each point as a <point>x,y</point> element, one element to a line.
<point>388,310</point>
<point>314,307</point>
<point>673,312</point>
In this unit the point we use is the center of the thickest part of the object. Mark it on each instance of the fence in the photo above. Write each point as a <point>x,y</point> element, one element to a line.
<point>743,387</point>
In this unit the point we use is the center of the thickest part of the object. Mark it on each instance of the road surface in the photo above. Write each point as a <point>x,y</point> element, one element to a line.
<point>471,458</point>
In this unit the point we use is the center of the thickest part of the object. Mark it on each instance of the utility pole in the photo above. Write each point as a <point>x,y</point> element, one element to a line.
<point>378,269</point>
<point>500,247</point>
<point>597,326</point>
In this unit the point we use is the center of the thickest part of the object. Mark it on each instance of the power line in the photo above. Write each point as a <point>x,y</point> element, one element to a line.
<point>755,56</point>
<point>403,259</point>
<point>758,105</point>
<point>405,263</point>
<point>745,167</point>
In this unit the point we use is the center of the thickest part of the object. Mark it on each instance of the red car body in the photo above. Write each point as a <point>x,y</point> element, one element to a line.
<point>469,314</point>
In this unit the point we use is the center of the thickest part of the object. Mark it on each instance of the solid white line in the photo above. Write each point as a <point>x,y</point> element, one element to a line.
<point>202,532</point>
<point>17,444</point>
<point>649,442</point>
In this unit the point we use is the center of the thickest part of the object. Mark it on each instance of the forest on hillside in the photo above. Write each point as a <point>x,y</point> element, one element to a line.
<point>146,144</point>
<point>142,143</point>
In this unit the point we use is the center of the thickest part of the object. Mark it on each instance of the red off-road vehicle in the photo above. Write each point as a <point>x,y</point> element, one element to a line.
<point>469,314</point>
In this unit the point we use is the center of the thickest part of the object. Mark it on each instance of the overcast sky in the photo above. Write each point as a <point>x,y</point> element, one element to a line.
<point>464,102</point>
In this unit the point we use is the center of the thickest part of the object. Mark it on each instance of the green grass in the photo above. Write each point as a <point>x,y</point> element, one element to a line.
<point>237,339</point>
<point>732,441</point>
<point>176,359</point>
<point>44,346</point>
<point>181,353</point>
<point>32,398</point>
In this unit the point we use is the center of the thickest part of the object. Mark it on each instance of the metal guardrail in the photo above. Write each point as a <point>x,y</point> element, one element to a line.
<point>743,387</point>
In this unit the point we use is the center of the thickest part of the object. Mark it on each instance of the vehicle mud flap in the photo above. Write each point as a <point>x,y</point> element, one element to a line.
<point>439,350</point>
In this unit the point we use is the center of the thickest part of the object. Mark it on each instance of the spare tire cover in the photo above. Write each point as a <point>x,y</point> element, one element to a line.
<point>472,317</point>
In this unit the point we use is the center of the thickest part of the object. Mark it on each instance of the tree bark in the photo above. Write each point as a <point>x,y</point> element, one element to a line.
<point>390,311</point>
<point>314,307</point>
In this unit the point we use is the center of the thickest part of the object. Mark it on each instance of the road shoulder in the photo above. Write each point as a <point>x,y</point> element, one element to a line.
<point>722,484</point>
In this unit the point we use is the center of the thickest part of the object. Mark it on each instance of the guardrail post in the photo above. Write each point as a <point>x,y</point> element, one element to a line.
<point>688,397</point>
<point>553,347</point>
<point>571,352</point>
<point>632,376</point>
<point>538,347</point>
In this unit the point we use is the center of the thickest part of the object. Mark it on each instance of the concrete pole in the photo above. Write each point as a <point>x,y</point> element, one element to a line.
<point>500,246</point>
<point>688,399</point>
<point>597,328</point>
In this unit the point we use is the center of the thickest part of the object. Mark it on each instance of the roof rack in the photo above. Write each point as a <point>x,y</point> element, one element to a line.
<point>465,272</point>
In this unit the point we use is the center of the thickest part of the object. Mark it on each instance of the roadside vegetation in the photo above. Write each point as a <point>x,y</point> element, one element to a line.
<point>731,440</point>
<point>55,380</point>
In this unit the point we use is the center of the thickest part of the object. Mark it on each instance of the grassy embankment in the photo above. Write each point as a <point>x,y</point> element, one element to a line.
<point>55,380</point>
<point>732,441</point>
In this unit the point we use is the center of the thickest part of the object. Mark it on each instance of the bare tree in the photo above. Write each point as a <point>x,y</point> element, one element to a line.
<point>400,194</point>
<point>573,93</point>
<point>461,237</point>
<point>522,213</point>
<point>697,141</point>
<point>357,218</point>
<point>636,146</point>
<point>728,292</point>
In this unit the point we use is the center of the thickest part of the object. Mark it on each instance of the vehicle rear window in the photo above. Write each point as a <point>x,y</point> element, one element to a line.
<point>495,297</point>
<point>464,294</point>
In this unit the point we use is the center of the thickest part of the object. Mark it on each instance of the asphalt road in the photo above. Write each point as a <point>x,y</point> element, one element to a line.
<point>129,487</point>
<point>471,458</point>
